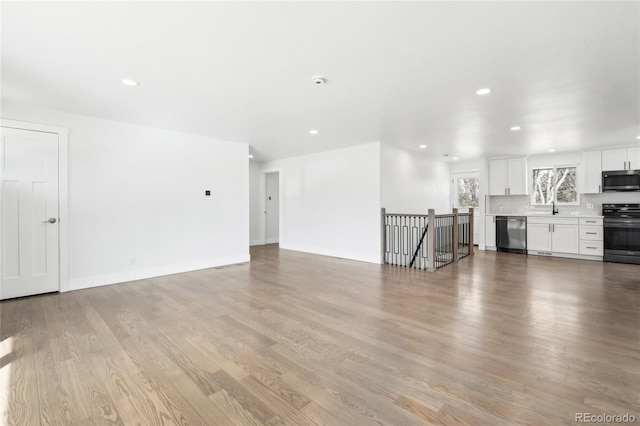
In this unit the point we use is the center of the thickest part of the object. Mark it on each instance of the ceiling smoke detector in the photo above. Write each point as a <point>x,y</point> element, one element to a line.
<point>319,81</point>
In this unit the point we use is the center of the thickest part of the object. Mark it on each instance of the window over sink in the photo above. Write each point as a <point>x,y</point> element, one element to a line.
<point>557,184</point>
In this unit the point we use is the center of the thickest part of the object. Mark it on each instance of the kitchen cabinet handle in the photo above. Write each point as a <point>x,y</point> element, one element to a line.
<point>591,233</point>
<point>599,188</point>
<point>594,248</point>
<point>591,221</point>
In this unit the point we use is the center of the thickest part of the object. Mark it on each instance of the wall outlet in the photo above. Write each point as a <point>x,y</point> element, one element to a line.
<point>500,208</point>
<point>590,206</point>
<point>132,261</point>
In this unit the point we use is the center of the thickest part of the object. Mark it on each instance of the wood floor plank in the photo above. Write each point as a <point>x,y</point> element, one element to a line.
<point>287,408</point>
<point>18,371</point>
<point>235,411</point>
<point>246,399</point>
<point>293,338</point>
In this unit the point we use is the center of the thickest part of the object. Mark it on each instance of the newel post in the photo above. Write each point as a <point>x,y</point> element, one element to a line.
<point>383,236</point>
<point>431,241</point>
<point>454,237</point>
<point>471,213</point>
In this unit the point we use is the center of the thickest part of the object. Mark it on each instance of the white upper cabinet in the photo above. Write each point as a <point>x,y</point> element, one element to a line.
<point>517,171</point>
<point>614,159</point>
<point>498,177</point>
<point>592,172</point>
<point>508,176</point>
<point>621,159</point>
<point>633,156</point>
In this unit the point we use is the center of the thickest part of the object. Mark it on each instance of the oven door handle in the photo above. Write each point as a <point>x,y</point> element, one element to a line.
<point>624,224</point>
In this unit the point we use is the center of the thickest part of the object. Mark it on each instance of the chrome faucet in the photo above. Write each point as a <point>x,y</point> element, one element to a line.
<point>554,211</point>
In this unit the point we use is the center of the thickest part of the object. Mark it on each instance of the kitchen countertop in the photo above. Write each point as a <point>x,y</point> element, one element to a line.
<point>561,215</point>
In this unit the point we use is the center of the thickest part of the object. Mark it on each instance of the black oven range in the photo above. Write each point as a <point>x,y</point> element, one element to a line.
<point>621,233</point>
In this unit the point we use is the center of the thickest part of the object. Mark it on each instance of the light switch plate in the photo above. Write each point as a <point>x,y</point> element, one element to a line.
<point>590,206</point>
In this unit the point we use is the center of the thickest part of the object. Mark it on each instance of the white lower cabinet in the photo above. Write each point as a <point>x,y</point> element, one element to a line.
<point>552,235</point>
<point>591,248</point>
<point>538,236</point>
<point>565,238</point>
<point>490,231</point>
<point>591,237</point>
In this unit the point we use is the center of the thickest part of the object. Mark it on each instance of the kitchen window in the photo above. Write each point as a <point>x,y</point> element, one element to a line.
<point>557,184</point>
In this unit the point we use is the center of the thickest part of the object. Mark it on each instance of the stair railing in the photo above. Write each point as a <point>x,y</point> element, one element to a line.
<point>426,241</point>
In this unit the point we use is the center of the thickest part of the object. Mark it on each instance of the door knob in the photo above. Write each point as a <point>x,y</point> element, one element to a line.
<point>50,220</point>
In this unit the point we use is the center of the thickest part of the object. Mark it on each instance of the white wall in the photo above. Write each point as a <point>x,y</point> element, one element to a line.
<point>466,166</point>
<point>138,192</point>
<point>330,202</point>
<point>413,183</point>
<point>552,159</point>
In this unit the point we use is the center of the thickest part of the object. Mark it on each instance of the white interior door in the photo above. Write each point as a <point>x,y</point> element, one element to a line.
<point>466,193</point>
<point>30,224</point>
<point>273,208</point>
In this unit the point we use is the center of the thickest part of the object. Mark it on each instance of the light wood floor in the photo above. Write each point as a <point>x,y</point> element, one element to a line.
<point>299,339</point>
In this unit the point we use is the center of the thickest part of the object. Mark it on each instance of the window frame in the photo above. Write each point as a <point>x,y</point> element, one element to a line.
<point>554,168</point>
<point>454,191</point>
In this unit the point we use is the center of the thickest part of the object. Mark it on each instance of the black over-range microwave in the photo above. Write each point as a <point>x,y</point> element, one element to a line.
<point>621,180</point>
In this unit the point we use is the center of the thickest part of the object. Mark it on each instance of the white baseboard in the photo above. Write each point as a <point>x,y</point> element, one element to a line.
<point>140,274</point>
<point>257,243</point>
<point>272,240</point>
<point>566,255</point>
<point>361,257</point>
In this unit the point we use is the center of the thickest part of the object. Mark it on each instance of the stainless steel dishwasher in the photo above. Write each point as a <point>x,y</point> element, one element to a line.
<point>511,234</point>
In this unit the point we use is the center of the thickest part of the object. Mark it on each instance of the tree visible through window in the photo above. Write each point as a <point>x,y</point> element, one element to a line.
<point>468,188</point>
<point>557,184</point>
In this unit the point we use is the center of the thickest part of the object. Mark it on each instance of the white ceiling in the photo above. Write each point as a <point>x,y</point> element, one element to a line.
<point>398,72</point>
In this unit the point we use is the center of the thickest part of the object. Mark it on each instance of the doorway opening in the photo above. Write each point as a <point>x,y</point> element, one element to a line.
<point>272,208</point>
<point>466,194</point>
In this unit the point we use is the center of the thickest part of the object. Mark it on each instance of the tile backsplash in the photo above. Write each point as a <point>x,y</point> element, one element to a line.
<point>507,204</point>
<point>520,204</point>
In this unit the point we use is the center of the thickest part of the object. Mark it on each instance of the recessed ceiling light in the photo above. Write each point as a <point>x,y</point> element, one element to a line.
<point>551,150</point>
<point>454,158</point>
<point>250,156</point>
<point>515,128</point>
<point>423,146</point>
<point>483,91</point>
<point>313,132</point>
<point>638,137</point>
<point>319,80</point>
<point>129,82</point>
